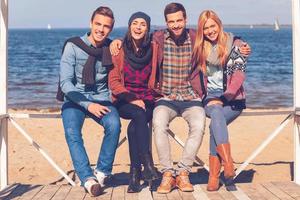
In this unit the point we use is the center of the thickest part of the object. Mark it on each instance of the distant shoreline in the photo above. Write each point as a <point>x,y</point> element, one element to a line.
<point>153,27</point>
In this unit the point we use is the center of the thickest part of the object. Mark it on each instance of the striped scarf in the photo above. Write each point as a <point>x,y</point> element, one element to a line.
<point>176,69</point>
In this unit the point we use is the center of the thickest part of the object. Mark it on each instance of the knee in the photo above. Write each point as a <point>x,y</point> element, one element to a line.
<point>140,116</point>
<point>160,119</point>
<point>197,120</point>
<point>216,109</point>
<point>73,135</point>
<point>112,124</point>
<point>197,129</point>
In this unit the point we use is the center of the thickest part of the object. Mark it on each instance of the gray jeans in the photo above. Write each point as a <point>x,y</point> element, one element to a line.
<point>194,114</point>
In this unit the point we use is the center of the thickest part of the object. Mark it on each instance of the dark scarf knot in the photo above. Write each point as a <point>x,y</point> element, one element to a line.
<point>100,53</point>
<point>138,60</point>
<point>89,72</point>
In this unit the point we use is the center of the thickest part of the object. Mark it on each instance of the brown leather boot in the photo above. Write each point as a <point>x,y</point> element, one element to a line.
<point>167,183</point>
<point>224,151</point>
<point>183,182</point>
<point>214,173</point>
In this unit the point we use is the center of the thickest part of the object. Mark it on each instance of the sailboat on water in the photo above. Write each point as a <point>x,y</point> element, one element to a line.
<point>276,25</point>
<point>49,27</point>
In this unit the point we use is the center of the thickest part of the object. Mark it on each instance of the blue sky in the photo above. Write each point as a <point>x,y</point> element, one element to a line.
<point>76,13</point>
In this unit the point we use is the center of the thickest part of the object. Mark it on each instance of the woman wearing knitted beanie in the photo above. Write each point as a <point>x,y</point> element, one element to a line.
<point>128,81</point>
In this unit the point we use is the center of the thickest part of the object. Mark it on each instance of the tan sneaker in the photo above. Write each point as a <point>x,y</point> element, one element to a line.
<point>183,182</point>
<point>167,183</point>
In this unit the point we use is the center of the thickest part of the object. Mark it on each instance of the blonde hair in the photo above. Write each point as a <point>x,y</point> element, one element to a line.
<point>203,46</point>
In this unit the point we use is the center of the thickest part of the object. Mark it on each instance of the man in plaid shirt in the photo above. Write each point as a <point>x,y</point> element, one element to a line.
<point>181,96</point>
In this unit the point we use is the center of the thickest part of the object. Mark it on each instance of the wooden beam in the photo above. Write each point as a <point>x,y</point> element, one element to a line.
<point>3,92</point>
<point>296,64</point>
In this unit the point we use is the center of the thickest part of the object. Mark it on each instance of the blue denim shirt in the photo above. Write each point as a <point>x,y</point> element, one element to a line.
<point>71,66</point>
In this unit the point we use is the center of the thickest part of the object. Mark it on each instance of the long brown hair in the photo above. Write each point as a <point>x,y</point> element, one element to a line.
<point>203,46</point>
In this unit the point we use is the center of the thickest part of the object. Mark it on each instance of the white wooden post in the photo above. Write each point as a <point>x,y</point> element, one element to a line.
<point>296,64</point>
<point>3,92</point>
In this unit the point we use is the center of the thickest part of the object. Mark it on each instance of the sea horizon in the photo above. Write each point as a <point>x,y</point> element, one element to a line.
<point>34,57</point>
<point>262,25</point>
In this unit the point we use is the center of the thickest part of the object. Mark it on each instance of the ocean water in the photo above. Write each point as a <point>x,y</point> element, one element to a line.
<point>34,57</point>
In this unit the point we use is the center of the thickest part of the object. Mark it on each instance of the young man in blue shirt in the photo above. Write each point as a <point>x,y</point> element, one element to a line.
<point>84,68</point>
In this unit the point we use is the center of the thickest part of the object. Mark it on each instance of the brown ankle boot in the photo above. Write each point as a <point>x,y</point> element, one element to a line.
<point>183,182</point>
<point>225,154</point>
<point>214,173</point>
<point>167,183</point>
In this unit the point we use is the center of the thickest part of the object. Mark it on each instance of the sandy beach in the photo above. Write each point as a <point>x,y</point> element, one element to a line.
<point>26,164</point>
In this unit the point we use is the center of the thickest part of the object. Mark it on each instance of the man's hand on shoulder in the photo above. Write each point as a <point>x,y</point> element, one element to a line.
<point>115,47</point>
<point>98,110</point>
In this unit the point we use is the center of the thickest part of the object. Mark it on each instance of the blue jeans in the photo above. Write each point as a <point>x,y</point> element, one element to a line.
<point>73,117</point>
<point>220,117</point>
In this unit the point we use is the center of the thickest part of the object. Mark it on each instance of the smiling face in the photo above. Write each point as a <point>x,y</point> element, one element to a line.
<point>211,30</point>
<point>101,26</point>
<point>176,23</point>
<point>138,29</point>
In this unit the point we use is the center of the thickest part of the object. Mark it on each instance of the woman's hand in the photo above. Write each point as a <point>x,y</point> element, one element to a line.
<point>245,49</point>
<point>115,47</point>
<point>215,102</point>
<point>139,103</point>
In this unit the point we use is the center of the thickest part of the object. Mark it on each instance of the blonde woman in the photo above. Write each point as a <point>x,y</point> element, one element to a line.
<point>217,55</point>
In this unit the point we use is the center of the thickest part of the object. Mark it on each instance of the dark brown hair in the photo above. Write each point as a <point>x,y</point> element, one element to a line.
<point>105,11</point>
<point>173,8</point>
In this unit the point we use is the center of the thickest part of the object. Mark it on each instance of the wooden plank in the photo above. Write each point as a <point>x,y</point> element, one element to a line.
<point>211,195</point>
<point>145,194</point>
<point>118,193</point>
<point>76,193</point>
<point>174,195</point>
<point>251,191</point>
<point>106,195</point>
<point>199,193</point>
<point>46,193</point>
<point>3,116</point>
<point>276,191</point>
<point>131,196</point>
<point>32,190</point>
<point>289,187</point>
<point>62,192</point>
<point>263,191</point>
<point>226,194</point>
<point>49,115</point>
<point>158,196</point>
<point>186,195</point>
<point>3,93</point>
<point>239,193</point>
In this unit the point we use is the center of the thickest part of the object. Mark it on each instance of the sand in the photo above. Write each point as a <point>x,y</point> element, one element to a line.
<point>27,166</point>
